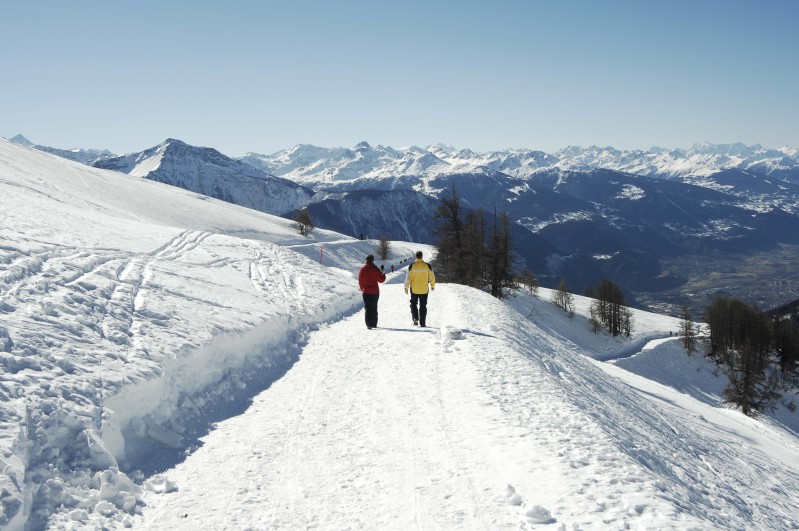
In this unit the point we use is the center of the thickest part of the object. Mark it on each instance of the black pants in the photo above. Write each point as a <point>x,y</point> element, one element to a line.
<point>420,313</point>
<point>370,305</point>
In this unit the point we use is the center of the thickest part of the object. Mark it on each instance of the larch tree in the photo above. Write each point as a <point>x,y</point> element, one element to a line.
<point>303,223</point>
<point>383,247</point>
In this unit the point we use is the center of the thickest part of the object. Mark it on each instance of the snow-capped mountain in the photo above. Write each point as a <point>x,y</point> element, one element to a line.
<point>761,178</point>
<point>85,156</point>
<point>322,167</point>
<point>340,168</point>
<point>387,168</point>
<point>337,168</point>
<point>208,172</point>
<point>701,160</point>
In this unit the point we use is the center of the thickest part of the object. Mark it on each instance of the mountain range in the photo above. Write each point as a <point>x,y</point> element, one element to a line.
<point>325,167</point>
<point>85,156</point>
<point>672,227</point>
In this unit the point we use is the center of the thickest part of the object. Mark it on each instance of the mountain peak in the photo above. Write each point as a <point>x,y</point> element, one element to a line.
<point>173,141</point>
<point>19,139</point>
<point>363,145</point>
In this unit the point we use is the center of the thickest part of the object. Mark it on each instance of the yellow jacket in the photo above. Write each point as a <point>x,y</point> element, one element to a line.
<point>418,277</point>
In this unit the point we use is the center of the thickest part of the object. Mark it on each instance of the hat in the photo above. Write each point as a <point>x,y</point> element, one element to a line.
<point>370,258</point>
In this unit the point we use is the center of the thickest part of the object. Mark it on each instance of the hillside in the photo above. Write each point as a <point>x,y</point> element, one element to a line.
<point>170,360</point>
<point>109,281</point>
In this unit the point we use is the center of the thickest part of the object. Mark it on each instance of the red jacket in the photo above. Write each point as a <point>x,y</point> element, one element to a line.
<point>368,277</point>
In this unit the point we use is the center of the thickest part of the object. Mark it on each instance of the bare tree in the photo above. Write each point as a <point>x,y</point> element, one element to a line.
<point>786,344</point>
<point>609,308</point>
<point>528,280</point>
<point>741,342</point>
<point>303,222</point>
<point>593,320</point>
<point>450,229</point>
<point>687,330</point>
<point>383,247</point>
<point>499,253</point>
<point>472,251</point>
<point>563,299</point>
<point>626,321</point>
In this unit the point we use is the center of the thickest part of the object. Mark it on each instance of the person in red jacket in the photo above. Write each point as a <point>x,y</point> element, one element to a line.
<point>368,278</point>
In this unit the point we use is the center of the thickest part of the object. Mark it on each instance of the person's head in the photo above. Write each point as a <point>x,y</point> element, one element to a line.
<point>419,255</point>
<point>370,259</point>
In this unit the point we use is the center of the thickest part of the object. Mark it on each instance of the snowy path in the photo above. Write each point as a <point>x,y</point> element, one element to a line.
<point>403,428</point>
<point>355,435</point>
<point>471,426</point>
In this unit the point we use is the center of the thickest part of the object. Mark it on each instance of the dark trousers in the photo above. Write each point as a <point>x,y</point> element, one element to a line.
<point>420,313</point>
<point>370,305</point>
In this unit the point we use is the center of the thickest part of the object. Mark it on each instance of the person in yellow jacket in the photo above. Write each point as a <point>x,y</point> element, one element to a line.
<point>419,276</point>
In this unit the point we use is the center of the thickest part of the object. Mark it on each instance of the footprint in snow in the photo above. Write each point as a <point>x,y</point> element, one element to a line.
<point>449,333</point>
<point>539,515</point>
<point>512,497</point>
<point>160,484</point>
<point>534,515</point>
<point>447,337</point>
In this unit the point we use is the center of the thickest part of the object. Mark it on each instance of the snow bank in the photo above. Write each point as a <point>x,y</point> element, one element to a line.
<point>122,302</point>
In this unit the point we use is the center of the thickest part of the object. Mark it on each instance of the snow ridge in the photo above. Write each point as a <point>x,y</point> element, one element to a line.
<point>208,172</point>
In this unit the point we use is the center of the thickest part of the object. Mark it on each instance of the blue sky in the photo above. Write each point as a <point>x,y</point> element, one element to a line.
<point>265,75</point>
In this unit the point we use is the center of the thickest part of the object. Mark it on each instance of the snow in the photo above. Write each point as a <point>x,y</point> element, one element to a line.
<point>633,193</point>
<point>173,361</point>
<point>341,168</point>
<point>537,224</point>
